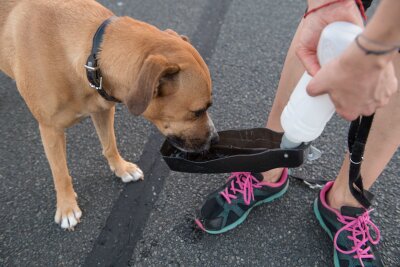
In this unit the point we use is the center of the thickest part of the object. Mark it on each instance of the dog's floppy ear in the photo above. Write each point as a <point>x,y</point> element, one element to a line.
<point>147,82</point>
<point>172,32</point>
<point>185,38</point>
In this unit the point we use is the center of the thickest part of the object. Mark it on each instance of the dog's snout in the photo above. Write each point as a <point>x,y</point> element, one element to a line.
<point>214,138</point>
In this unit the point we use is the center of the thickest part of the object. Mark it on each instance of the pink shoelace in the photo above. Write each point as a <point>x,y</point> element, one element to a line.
<point>360,235</point>
<point>242,183</point>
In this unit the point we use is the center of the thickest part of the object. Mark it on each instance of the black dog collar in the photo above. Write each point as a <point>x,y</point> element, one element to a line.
<point>93,72</point>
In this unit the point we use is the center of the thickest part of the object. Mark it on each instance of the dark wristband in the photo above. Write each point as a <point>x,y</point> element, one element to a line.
<point>375,52</point>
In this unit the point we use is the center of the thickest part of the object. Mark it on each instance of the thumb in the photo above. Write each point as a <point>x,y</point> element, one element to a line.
<point>316,87</point>
<point>309,60</point>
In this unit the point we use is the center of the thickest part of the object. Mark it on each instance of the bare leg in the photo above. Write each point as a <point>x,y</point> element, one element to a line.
<point>68,212</point>
<point>291,73</point>
<point>386,127</point>
<point>104,123</point>
<point>382,143</point>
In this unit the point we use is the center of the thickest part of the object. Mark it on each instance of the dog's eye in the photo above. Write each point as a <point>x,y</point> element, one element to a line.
<point>199,113</point>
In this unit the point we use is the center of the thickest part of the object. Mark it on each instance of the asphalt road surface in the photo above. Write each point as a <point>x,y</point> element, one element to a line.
<point>150,223</point>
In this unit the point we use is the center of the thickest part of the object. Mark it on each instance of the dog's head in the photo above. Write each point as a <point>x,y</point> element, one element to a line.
<point>172,89</point>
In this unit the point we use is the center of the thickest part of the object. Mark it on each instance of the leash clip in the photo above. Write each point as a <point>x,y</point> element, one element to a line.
<point>356,163</point>
<point>313,185</point>
<point>313,153</point>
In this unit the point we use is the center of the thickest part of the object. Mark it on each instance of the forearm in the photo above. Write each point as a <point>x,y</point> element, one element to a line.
<point>382,34</point>
<point>384,26</point>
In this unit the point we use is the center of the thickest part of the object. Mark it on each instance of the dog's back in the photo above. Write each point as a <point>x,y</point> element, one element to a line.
<point>6,43</point>
<point>23,32</point>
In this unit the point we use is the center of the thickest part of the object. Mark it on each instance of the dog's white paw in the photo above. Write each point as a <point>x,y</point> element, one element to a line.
<point>132,176</point>
<point>68,215</point>
<point>128,172</point>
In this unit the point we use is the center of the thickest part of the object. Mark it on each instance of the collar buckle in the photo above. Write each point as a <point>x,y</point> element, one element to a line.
<point>90,68</point>
<point>100,87</point>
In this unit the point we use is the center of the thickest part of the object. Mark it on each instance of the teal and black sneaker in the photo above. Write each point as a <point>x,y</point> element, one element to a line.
<point>230,205</point>
<point>353,233</point>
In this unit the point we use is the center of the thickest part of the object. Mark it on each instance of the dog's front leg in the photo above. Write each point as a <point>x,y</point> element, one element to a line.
<point>104,123</point>
<point>68,212</point>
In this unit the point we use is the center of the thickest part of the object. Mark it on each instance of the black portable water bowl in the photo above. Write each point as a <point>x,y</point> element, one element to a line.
<point>246,150</point>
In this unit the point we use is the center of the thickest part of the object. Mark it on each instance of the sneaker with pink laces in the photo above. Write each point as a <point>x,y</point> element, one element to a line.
<point>353,233</point>
<point>229,206</point>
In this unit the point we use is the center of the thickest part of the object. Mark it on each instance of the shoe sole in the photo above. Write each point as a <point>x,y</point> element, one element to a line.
<point>323,225</point>
<point>244,216</point>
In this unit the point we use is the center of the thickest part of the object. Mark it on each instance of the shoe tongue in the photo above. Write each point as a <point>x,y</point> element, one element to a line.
<point>351,211</point>
<point>258,176</point>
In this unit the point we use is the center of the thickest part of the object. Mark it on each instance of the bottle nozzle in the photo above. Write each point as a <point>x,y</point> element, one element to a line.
<point>286,143</point>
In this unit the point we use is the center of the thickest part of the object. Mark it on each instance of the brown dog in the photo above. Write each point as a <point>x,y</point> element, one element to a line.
<point>44,46</point>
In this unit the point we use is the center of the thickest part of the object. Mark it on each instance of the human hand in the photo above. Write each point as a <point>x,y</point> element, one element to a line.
<point>357,83</point>
<point>313,25</point>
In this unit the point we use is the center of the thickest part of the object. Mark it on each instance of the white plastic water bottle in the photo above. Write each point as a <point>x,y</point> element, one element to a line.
<point>305,117</point>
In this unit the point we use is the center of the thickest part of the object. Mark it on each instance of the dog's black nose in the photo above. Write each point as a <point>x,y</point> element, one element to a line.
<point>215,139</point>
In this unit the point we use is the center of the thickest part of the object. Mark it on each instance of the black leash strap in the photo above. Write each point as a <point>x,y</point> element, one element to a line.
<point>93,72</point>
<point>357,138</point>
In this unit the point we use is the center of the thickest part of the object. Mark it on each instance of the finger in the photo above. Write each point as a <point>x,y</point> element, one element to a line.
<point>316,87</point>
<point>348,116</point>
<point>389,80</point>
<point>309,60</point>
<point>395,85</point>
<point>383,102</point>
<point>369,110</point>
<point>346,113</point>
